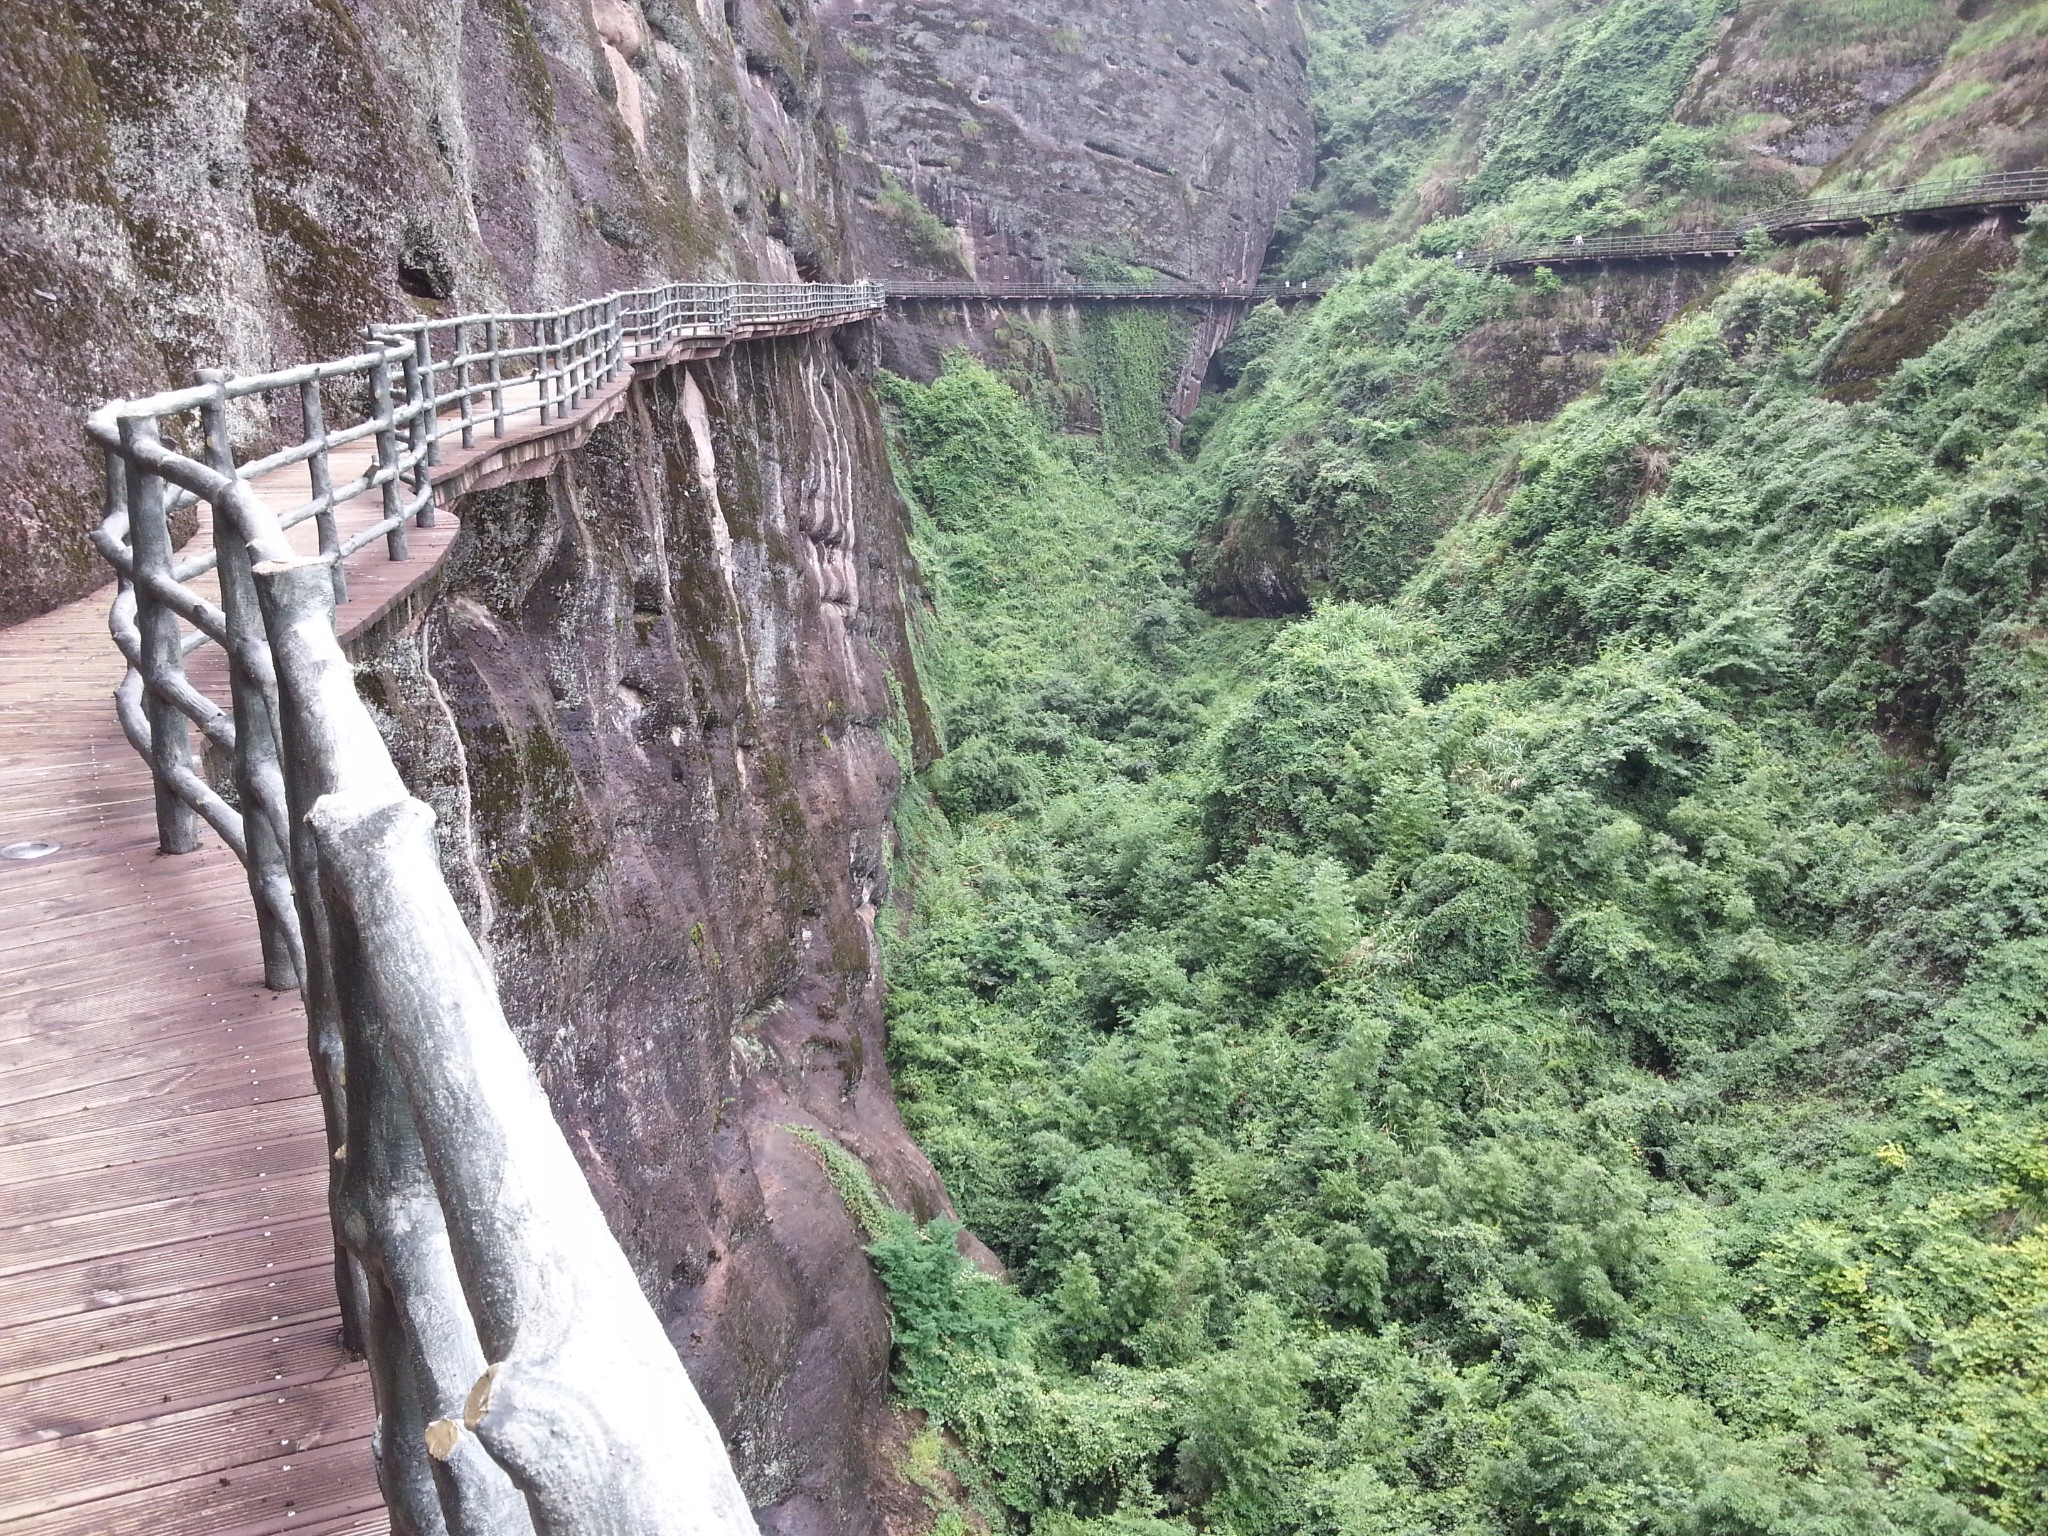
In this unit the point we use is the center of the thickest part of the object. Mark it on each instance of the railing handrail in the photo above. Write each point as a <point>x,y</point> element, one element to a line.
<point>524,1385</point>
<point>1993,190</point>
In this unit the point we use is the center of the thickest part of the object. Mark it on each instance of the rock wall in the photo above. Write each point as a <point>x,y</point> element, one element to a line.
<point>664,698</point>
<point>662,705</point>
<point>1034,140</point>
<point>202,182</point>
<point>1876,95</point>
<point>1799,95</point>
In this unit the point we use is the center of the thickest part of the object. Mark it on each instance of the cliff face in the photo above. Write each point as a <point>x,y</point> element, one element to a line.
<point>658,706</point>
<point>1158,133</point>
<point>1812,91</point>
<point>664,698</point>
<point>1804,89</point>
<point>1041,141</point>
<point>245,186</point>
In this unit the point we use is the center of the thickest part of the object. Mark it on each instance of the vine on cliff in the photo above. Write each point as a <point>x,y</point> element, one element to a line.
<point>1131,354</point>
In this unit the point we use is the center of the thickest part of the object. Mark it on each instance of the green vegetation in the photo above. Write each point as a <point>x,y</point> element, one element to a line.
<point>1427,110</point>
<point>1345,423</point>
<point>1443,129</point>
<point>1549,1046</point>
<point>1531,1056</point>
<point>924,231</point>
<point>1128,352</point>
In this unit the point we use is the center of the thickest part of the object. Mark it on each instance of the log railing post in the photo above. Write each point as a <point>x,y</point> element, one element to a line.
<point>586,352</point>
<point>170,737</point>
<point>497,378</point>
<point>578,361</point>
<point>562,347</point>
<point>575,349</point>
<point>426,393</point>
<point>573,344</point>
<point>542,354</point>
<point>252,686</point>
<point>387,453</point>
<point>424,431</point>
<point>463,365</point>
<point>314,412</point>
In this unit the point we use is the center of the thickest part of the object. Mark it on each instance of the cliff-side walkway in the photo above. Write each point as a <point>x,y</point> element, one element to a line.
<point>170,1356</point>
<point>1843,213</point>
<point>1019,291</point>
<point>169,1339</point>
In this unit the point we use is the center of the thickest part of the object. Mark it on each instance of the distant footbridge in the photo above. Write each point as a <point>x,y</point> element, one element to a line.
<point>1014,291</point>
<point>1846,213</point>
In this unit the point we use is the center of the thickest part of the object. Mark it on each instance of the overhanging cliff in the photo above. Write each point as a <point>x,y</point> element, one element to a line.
<point>209,185</point>
<point>1043,142</point>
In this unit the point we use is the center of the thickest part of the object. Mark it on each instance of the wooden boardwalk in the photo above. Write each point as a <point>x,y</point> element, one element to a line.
<point>169,1355</point>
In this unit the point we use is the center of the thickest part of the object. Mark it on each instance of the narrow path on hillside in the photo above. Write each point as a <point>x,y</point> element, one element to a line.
<point>170,1360</point>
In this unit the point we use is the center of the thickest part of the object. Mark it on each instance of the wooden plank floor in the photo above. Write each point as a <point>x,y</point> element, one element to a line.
<point>169,1361</point>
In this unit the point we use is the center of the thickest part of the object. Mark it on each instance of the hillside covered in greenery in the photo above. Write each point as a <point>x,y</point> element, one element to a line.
<point>1547,1041</point>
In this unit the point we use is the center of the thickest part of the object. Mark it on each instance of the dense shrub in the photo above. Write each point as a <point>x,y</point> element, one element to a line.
<point>1554,1052</point>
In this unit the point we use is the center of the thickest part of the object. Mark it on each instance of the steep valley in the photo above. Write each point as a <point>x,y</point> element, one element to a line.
<point>1426,911</point>
<point>1544,1037</point>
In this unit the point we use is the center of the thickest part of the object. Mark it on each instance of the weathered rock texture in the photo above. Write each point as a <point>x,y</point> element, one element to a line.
<point>1804,85</point>
<point>1879,98</point>
<point>1035,140</point>
<point>197,182</point>
<point>658,706</point>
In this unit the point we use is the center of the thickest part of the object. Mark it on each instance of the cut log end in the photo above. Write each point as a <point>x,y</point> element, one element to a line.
<point>443,1435</point>
<point>479,1401</point>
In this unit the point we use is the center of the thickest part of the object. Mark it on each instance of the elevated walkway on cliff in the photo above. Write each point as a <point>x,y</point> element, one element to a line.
<point>171,1356</point>
<point>1840,214</point>
<point>1017,291</point>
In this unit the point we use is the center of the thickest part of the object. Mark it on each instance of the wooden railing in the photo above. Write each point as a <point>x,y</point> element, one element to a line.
<point>523,1382</point>
<point>1812,216</point>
